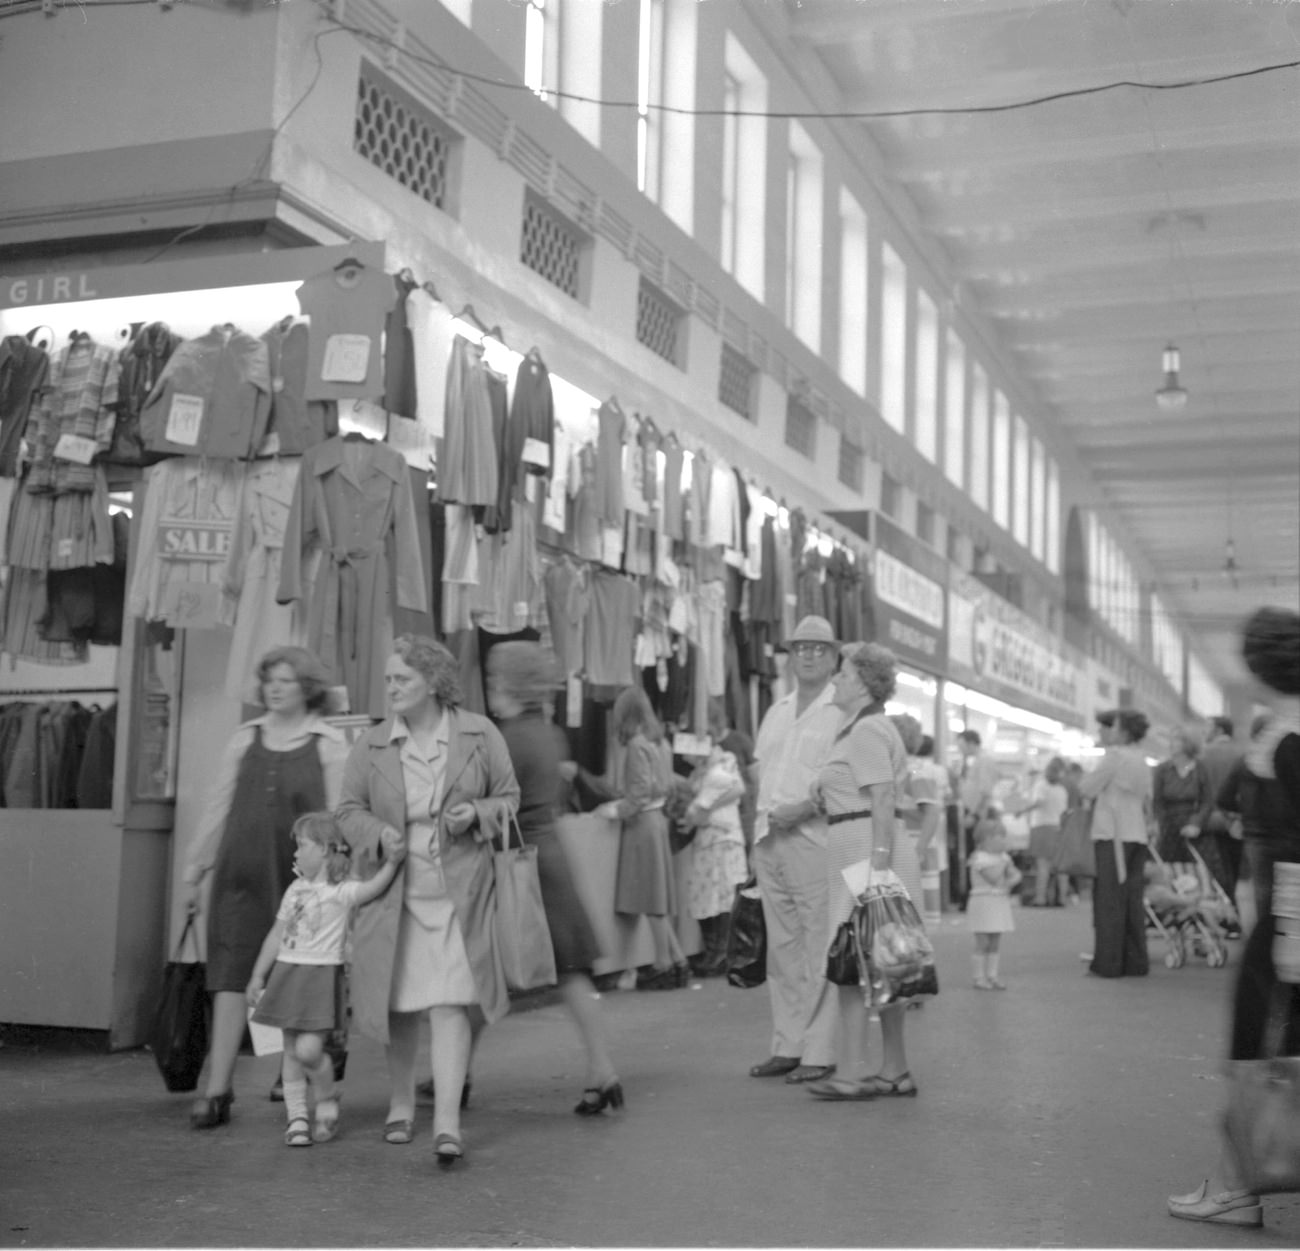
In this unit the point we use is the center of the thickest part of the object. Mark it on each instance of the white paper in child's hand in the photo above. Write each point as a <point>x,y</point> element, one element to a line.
<point>267,1039</point>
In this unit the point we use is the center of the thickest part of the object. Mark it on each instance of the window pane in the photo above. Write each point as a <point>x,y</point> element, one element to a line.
<point>1020,487</point>
<point>1037,511</point>
<point>979,439</point>
<point>1001,477</point>
<point>893,339</point>
<point>927,377</point>
<point>954,430</point>
<point>853,293</point>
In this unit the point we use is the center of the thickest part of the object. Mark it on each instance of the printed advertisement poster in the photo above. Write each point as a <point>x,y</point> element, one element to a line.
<point>908,589</point>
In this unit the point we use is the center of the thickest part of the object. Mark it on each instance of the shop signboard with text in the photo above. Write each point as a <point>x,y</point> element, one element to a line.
<point>908,592</point>
<point>998,650</point>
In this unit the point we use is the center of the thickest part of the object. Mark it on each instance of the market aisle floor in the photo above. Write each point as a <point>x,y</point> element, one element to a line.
<point>1057,1114</point>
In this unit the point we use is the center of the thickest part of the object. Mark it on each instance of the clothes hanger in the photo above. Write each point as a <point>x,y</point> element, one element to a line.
<point>348,262</point>
<point>467,314</point>
<point>406,278</point>
<point>428,286</point>
<point>34,332</point>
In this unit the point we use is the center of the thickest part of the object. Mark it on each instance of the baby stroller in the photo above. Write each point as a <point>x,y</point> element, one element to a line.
<point>1191,912</point>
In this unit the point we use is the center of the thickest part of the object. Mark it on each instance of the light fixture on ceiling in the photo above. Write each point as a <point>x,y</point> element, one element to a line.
<point>1171,397</point>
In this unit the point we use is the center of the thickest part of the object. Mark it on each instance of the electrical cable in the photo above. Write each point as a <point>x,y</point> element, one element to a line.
<point>435,62</point>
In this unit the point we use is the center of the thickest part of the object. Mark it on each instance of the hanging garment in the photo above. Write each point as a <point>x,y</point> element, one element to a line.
<point>723,525</point>
<point>609,502</point>
<point>459,569</point>
<point>554,503</point>
<point>431,339</point>
<point>418,620</point>
<point>251,575</point>
<point>673,520</point>
<point>468,472</point>
<point>351,498</point>
<point>25,604</point>
<point>86,605</point>
<point>69,531</point>
<point>497,516</point>
<point>77,405</point>
<point>610,628</point>
<point>506,600</point>
<point>347,307</point>
<point>585,528</point>
<point>213,398</point>
<point>712,607</point>
<point>296,423</point>
<point>186,528</point>
<point>24,369</point>
<point>95,776</point>
<point>399,350</point>
<point>634,499</point>
<point>532,420</point>
<point>567,604</point>
<point>142,362</point>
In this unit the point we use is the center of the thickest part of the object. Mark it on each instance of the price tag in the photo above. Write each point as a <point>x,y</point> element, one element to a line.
<point>184,419</point>
<point>191,605</point>
<point>76,448</point>
<point>521,614</point>
<point>65,549</point>
<point>611,549</point>
<point>537,453</point>
<point>573,702</point>
<point>347,358</point>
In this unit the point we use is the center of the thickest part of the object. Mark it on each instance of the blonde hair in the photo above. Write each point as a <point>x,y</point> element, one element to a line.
<point>322,829</point>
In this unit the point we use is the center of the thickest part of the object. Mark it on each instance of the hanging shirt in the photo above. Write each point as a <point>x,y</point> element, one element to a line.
<point>186,528</point>
<point>296,423</point>
<point>143,361</point>
<point>213,398</point>
<point>530,438</point>
<point>431,339</point>
<point>610,628</point>
<point>72,421</point>
<point>567,604</point>
<point>347,307</point>
<point>673,521</point>
<point>24,368</point>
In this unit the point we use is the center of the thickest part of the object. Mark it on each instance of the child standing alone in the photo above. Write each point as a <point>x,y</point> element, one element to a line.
<point>718,863</point>
<point>992,878</point>
<point>305,994</point>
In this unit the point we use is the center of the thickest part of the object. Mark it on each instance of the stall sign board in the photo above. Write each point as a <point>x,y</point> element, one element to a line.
<point>996,649</point>
<point>909,597</point>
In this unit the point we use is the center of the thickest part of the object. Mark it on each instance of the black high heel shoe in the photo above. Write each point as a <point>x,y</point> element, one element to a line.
<point>595,1099</point>
<point>211,1111</point>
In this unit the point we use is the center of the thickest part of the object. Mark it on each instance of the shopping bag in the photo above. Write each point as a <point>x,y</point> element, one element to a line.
<point>747,938</point>
<point>180,1030</point>
<point>523,937</point>
<point>895,958</point>
<point>842,958</point>
<point>1262,1120</point>
<point>1074,851</point>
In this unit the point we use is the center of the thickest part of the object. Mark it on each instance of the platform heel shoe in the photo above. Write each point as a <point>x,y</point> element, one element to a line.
<point>595,1099</point>
<point>211,1111</point>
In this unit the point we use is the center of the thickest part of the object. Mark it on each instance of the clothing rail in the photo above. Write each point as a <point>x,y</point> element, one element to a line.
<point>66,690</point>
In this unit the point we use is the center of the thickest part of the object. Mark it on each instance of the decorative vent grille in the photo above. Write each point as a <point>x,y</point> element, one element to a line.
<point>800,428</point>
<point>551,247</point>
<point>658,322</point>
<point>402,140</point>
<point>736,382</point>
<point>850,464</point>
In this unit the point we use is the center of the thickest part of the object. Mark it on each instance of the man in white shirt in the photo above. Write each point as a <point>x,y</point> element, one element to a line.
<point>790,860</point>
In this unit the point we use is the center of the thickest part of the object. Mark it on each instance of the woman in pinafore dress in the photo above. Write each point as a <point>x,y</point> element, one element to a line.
<point>646,884</point>
<point>443,776</point>
<point>858,789</point>
<point>275,768</point>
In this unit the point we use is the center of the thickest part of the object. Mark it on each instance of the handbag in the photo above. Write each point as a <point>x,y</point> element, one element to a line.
<point>523,938</point>
<point>747,938</point>
<point>179,1040</point>
<point>1074,851</point>
<point>842,958</point>
<point>1262,1120</point>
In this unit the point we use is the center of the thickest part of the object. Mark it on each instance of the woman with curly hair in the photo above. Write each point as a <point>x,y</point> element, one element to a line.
<point>1270,647</point>
<point>437,781</point>
<point>287,762</point>
<point>858,788</point>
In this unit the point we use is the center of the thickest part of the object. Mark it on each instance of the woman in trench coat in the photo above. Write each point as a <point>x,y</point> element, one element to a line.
<point>438,780</point>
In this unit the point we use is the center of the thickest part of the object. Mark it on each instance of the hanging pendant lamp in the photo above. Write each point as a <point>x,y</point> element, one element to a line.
<point>1171,397</point>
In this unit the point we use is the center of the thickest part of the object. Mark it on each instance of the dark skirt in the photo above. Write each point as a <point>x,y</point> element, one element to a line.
<point>572,936</point>
<point>306,997</point>
<point>645,867</point>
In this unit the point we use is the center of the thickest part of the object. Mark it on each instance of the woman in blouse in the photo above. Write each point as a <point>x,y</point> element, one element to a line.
<point>287,762</point>
<point>858,788</point>
<point>1121,787</point>
<point>1043,809</point>
<point>438,780</point>
<point>645,883</point>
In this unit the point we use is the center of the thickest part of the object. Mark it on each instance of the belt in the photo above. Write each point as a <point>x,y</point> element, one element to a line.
<point>835,818</point>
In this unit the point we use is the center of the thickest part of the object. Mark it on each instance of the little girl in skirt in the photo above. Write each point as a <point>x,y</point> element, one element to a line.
<point>305,995</point>
<point>718,863</point>
<point>992,877</point>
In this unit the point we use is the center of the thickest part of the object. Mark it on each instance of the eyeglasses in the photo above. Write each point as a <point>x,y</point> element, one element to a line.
<point>810,649</point>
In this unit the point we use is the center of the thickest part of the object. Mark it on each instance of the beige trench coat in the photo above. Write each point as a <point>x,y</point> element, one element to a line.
<point>374,798</point>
